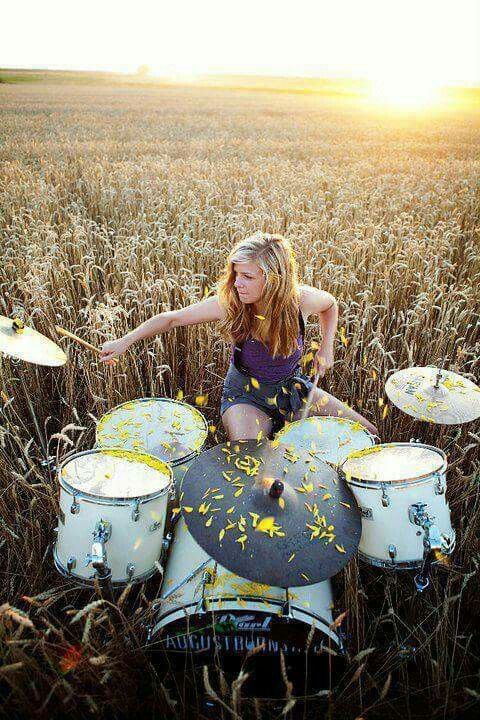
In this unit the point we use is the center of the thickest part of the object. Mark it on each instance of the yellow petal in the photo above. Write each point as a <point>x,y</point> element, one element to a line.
<point>340,548</point>
<point>260,317</point>
<point>255,383</point>
<point>180,395</point>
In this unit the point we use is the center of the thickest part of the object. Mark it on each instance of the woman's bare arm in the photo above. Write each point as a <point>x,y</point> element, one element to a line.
<point>207,310</point>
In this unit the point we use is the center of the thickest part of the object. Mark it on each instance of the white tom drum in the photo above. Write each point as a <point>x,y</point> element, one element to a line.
<point>331,438</point>
<point>205,608</point>
<point>172,431</point>
<point>113,507</point>
<point>400,488</point>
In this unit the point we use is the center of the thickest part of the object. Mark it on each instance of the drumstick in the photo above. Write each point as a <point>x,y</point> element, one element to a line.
<point>308,404</point>
<point>67,333</point>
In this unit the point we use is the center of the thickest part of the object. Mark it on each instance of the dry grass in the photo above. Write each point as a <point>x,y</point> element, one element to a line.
<point>119,203</point>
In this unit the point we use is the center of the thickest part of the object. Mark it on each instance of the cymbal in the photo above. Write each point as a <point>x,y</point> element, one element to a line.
<point>434,395</point>
<point>270,514</point>
<point>27,344</point>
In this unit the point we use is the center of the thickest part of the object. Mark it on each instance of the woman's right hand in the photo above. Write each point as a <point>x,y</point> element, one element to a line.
<point>113,348</point>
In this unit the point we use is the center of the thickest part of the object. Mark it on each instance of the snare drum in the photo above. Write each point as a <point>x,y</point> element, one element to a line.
<point>168,429</point>
<point>330,438</point>
<point>113,507</point>
<point>400,488</point>
<point>204,608</point>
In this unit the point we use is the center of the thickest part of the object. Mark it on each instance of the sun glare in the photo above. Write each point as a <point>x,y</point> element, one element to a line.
<point>404,91</point>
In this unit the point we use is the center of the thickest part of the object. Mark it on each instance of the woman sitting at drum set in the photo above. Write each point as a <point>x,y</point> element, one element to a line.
<point>261,310</point>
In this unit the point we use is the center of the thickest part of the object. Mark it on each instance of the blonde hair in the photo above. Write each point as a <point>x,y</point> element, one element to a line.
<point>275,257</point>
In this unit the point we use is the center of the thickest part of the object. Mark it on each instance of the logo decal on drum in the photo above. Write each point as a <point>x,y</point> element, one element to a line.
<point>367,513</point>
<point>246,622</point>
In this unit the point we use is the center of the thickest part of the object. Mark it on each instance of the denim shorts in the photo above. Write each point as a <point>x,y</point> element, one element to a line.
<point>279,400</point>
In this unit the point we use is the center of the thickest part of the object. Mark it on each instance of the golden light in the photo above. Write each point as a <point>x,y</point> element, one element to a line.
<point>405,92</point>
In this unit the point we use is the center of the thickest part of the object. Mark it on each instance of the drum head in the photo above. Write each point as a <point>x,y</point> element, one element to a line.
<point>115,473</point>
<point>168,429</point>
<point>394,462</point>
<point>332,438</point>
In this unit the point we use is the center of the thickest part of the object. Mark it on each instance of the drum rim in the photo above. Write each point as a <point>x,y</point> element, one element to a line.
<point>178,461</point>
<point>358,482</point>
<point>112,499</point>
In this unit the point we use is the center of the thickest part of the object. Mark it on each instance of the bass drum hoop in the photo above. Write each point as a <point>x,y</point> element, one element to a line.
<point>380,484</point>
<point>113,500</point>
<point>336,639</point>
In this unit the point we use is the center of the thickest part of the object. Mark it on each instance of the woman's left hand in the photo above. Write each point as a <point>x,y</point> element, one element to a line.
<point>323,360</point>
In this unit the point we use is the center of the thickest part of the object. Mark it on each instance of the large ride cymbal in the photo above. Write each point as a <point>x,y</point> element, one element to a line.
<point>24,343</point>
<point>269,514</point>
<point>434,395</point>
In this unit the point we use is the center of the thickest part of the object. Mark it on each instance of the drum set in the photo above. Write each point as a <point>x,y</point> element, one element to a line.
<point>246,536</point>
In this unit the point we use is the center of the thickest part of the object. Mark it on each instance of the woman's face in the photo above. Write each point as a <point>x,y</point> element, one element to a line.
<point>249,281</point>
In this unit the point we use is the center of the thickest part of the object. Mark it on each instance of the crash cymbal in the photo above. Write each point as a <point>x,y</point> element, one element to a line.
<point>270,514</point>
<point>434,395</point>
<point>24,343</point>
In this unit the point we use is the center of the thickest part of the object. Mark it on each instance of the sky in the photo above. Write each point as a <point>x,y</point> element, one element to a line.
<point>432,40</point>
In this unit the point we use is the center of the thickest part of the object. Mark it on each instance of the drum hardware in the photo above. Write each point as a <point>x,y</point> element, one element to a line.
<point>392,551</point>
<point>98,554</point>
<point>135,510</point>
<point>130,570</point>
<point>187,579</point>
<point>208,578</point>
<point>385,498</point>
<point>306,534</point>
<point>75,506</point>
<point>71,563</point>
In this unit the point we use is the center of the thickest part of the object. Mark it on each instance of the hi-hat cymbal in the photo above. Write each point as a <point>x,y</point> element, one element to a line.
<point>270,514</point>
<point>24,343</point>
<point>434,395</point>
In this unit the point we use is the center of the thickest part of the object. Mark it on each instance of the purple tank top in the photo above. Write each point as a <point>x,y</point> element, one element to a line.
<point>256,358</point>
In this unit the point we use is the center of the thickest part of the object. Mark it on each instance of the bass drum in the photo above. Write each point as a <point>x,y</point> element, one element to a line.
<point>205,609</point>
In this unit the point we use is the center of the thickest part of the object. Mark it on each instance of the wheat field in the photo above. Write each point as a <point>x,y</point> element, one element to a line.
<point>119,202</point>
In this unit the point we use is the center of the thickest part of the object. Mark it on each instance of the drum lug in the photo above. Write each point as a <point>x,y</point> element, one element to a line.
<point>135,510</point>
<point>171,491</point>
<point>71,563</point>
<point>75,506</point>
<point>392,551</point>
<point>439,486</point>
<point>415,440</point>
<point>130,570</point>
<point>98,555</point>
<point>417,514</point>
<point>155,526</point>
<point>385,498</point>
<point>166,542</point>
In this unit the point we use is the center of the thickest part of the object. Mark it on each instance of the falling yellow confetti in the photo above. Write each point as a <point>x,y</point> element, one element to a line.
<point>242,540</point>
<point>180,395</point>
<point>327,496</point>
<point>221,535</point>
<point>343,337</point>
<point>374,374</point>
<point>260,317</point>
<point>314,345</point>
<point>291,557</point>
<point>231,510</point>
<point>201,400</point>
<point>385,412</point>
<point>281,502</point>
<point>209,521</point>
<point>260,435</point>
<point>187,509</point>
<point>212,428</point>
<point>265,524</point>
<point>380,402</point>
<point>340,548</point>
